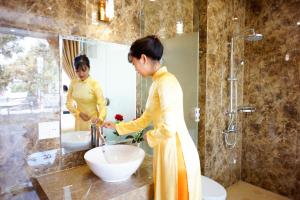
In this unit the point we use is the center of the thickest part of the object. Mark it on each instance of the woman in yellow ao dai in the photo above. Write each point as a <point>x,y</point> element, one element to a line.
<point>176,165</point>
<point>87,95</point>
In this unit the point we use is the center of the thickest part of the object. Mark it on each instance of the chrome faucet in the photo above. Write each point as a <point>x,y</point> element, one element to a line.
<point>97,138</point>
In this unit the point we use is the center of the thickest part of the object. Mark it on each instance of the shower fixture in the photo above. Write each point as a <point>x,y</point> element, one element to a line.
<point>232,126</point>
<point>252,37</point>
<point>246,109</point>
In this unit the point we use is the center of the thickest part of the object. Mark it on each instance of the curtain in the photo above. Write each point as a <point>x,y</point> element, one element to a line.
<point>71,49</point>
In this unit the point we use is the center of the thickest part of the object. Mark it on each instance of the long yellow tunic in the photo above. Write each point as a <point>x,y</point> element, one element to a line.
<point>87,97</point>
<point>164,108</point>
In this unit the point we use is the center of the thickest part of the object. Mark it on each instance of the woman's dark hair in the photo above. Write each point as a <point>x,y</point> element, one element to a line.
<point>65,88</point>
<point>149,46</point>
<point>81,61</point>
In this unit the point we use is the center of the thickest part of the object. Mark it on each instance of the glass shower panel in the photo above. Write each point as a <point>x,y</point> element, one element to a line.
<point>182,59</point>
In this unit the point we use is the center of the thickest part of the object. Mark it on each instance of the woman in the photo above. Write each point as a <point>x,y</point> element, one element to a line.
<point>87,95</point>
<point>176,166</point>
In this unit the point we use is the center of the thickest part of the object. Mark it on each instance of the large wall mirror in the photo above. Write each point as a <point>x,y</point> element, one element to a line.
<point>117,79</point>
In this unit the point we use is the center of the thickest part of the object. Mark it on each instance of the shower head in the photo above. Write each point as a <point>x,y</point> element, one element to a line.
<point>254,37</point>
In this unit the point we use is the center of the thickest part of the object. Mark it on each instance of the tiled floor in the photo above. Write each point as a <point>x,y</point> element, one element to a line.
<point>245,191</point>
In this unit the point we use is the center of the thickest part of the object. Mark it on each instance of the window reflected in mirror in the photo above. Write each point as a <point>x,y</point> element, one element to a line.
<point>29,105</point>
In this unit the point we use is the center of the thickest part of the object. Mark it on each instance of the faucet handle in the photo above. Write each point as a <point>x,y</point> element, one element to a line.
<point>100,136</point>
<point>93,135</point>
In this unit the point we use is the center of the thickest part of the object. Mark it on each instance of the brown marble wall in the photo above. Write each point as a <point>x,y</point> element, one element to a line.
<point>216,29</point>
<point>271,156</point>
<point>160,17</point>
<point>73,18</point>
<point>201,22</point>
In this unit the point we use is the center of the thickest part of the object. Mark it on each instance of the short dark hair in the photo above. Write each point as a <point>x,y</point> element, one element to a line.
<point>150,46</point>
<point>81,61</point>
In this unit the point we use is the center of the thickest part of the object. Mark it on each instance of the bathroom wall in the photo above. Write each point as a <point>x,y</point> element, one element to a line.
<point>200,20</point>
<point>160,17</point>
<point>216,29</point>
<point>271,145</point>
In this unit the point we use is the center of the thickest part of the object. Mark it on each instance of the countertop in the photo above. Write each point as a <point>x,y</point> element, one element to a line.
<point>81,183</point>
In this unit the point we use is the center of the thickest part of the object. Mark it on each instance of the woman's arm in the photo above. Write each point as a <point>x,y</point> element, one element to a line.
<point>70,101</point>
<point>135,125</point>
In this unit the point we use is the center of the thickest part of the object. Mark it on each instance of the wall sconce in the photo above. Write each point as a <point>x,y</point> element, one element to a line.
<point>106,10</point>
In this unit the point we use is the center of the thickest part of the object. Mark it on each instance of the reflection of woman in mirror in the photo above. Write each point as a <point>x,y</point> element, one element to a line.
<point>176,165</point>
<point>87,95</point>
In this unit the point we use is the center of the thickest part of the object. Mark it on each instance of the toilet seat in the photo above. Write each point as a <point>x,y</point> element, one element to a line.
<point>211,190</point>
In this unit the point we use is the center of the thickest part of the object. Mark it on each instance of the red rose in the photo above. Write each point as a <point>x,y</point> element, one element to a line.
<point>119,117</point>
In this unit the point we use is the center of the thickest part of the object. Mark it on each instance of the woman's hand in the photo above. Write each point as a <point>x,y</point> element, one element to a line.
<point>145,137</point>
<point>95,120</point>
<point>110,125</point>
<point>84,116</point>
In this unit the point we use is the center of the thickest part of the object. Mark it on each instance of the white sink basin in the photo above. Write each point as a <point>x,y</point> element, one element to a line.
<point>114,163</point>
<point>76,140</point>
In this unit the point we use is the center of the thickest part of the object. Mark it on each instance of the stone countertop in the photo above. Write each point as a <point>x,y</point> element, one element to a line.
<point>81,183</point>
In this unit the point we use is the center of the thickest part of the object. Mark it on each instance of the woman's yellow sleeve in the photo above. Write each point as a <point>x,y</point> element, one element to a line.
<point>168,92</point>
<point>101,103</point>
<point>70,101</point>
<point>142,122</point>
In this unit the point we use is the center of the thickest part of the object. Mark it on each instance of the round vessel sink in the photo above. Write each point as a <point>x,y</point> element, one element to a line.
<point>114,163</point>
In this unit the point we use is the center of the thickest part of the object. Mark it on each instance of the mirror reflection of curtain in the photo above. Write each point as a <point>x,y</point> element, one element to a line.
<point>70,50</point>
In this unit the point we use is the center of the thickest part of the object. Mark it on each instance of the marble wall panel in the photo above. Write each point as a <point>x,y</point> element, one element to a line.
<point>73,18</point>
<point>202,24</point>
<point>221,163</point>
<point>272,82</point>
<point>160,17</point>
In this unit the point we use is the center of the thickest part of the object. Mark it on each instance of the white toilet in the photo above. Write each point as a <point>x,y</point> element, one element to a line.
<point>211,190</point>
